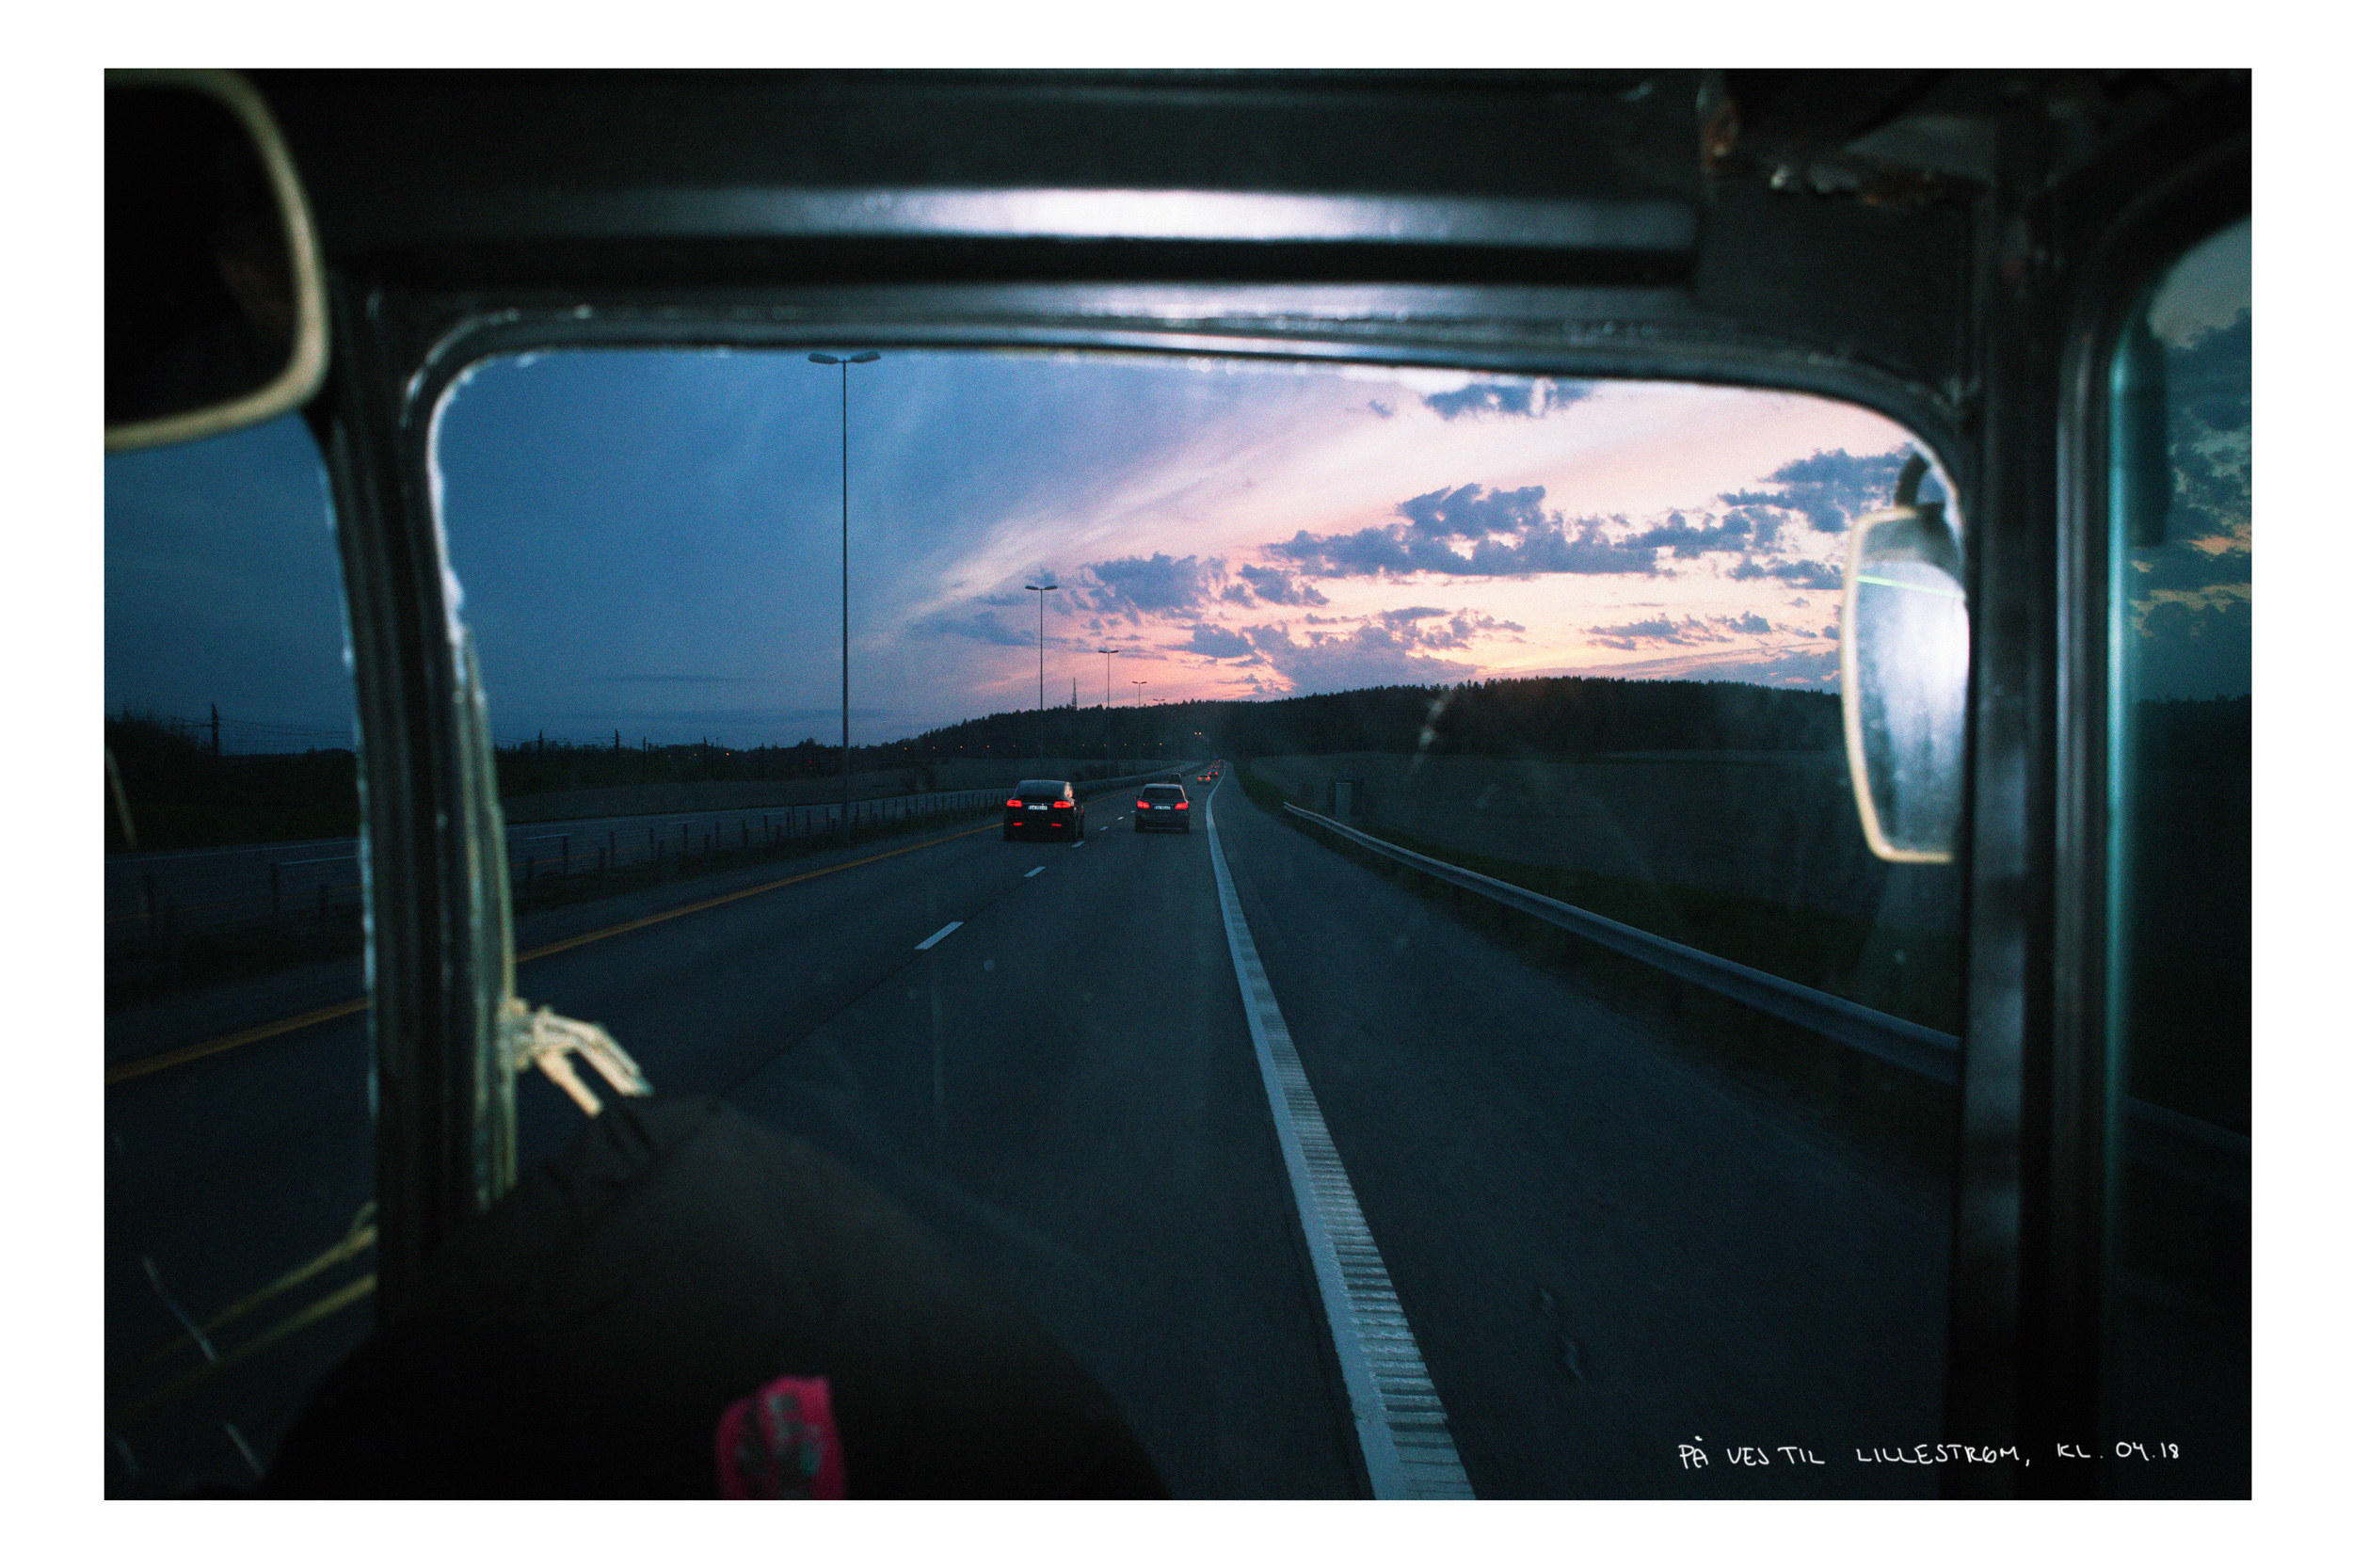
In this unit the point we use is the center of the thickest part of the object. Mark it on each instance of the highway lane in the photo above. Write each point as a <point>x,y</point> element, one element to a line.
<point>1055,1087</point>
<point>1595,1246</point>
<point>1603,1252</point>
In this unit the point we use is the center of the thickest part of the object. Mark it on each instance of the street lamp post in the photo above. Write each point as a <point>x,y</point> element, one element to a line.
<point>1139,685</point>
<point>1106,653</point>
<point>866,357</point>
<point>1041,589</point>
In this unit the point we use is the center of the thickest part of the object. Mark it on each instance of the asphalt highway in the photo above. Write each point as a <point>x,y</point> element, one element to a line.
<point>1604,1253</point>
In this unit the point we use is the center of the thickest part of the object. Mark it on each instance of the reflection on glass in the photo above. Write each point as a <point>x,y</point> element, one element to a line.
<point>1907,671</point>
<point>239,1166</point>
<point>2180,957</point>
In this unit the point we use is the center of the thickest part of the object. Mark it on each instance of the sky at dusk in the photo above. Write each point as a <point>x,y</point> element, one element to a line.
<point>652,541</point>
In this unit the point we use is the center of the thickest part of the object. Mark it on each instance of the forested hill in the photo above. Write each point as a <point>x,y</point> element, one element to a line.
<point>1560,715</point>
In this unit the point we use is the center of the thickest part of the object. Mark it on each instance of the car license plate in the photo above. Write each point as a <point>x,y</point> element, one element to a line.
<point>1037,808</point>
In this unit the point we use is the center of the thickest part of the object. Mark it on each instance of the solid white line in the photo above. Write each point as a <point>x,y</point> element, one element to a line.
<point>1399,1404</point>
<point>937,934</point>
<point>1032,871</point>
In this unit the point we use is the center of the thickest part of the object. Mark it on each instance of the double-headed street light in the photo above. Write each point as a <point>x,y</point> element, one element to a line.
<point>1106,653</point>
<point>1041,589</point>
<point>866,357</point>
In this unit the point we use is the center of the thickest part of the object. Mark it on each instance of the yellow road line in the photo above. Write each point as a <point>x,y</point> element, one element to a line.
<point>345,1009</point>
<point>229,1042</point>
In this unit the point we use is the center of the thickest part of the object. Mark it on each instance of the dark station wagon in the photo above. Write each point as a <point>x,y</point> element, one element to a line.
<point>1163,806</point>
<point>1047,805</point>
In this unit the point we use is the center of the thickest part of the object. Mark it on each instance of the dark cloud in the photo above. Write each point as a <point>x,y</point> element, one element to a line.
<point>1367,553</point>
<point>1410,614</point>
<point>1473,512</point>
<point>982,627</point>
<point>1657,631</point>
<point>1811,668</point>
<point>1160,584</point>
<point>1470,530</point>
<point>1218,642</point>
<point>1799,574</point>
<point>1370,655</point>
<point>1510,535</point>
<point>1385,411</point>
<point>1762,521</point>
<point>1831,489</point>
<point>1524,399</point>
<point>1580,547</point>
<point>1237,593</point>
<point>1459,629</point>
<point>1275,586</point>
<point>1677,534</point>
<point>1751,623</point>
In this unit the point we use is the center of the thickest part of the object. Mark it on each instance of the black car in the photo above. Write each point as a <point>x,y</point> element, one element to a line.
<point>1047,805</point>
<point>1163,806</point>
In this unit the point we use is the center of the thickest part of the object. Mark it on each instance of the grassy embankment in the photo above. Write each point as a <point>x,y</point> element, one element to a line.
<point>1892,1113</point>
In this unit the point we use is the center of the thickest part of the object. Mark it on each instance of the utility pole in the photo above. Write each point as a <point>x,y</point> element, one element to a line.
<point>1106,653</point>
<point>216,707</point>
<point>1139,685</point>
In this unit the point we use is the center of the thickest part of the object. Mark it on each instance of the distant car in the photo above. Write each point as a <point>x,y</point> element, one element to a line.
<point>1163,806</point>
<point>1047,805</point>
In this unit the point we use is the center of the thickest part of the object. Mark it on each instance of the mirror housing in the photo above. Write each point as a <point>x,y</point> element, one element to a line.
<point>216,299</point>
<point>1903,664</point>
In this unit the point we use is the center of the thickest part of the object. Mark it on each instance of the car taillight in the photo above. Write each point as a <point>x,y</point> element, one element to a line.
<point>1182,803</point>
<point>1061,806</point>
<point>1014,803</point>
<point>1144,806</point>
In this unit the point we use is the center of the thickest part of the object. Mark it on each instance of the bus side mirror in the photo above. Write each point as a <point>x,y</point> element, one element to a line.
<point>215,302</point>
<point>1904,675</point>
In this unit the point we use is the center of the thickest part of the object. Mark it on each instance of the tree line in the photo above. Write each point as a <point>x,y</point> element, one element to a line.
<point>182,793</point>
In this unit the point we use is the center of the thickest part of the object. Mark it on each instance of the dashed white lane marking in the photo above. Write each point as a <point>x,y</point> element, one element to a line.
<point>1025,877</point>
<point>934,938</point>
<point>1401,1426</point>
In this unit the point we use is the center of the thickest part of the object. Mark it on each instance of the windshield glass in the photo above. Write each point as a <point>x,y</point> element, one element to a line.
<point>1578,638</point>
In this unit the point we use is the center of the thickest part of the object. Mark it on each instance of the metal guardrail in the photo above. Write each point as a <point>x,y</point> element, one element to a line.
<point>1929,1052</point>
<point>2211,1158</point>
